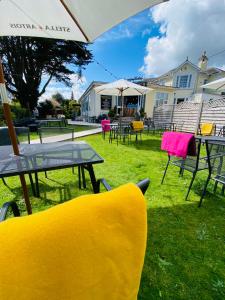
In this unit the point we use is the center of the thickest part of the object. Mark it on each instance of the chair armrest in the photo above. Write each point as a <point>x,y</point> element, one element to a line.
<point>105,184</point>
<point>6,207</point>
<point>143,184</point>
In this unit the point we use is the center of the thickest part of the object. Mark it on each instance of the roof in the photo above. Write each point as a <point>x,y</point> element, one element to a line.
<point>92,85</point>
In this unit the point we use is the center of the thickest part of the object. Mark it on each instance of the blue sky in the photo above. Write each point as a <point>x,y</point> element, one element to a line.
<point>122,49</point>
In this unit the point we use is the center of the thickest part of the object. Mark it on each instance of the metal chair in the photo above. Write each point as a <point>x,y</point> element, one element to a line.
<point>216,165</point>
<point>13,207</point>
<point>5,141</point>
<point>192,164</point>
<point>46,132</point>
<point>136,128</point>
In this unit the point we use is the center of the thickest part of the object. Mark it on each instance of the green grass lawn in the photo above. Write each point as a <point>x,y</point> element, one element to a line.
<point>185,255</point>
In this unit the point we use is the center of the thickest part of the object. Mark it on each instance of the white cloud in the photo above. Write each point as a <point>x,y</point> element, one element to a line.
<point>187,28</point>
<point>78,87</point>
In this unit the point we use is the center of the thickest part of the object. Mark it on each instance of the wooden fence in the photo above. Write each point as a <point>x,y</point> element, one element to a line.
<point>188,115</point>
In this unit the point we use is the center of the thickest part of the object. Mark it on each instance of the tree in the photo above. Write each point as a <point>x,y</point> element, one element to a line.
<point>58,97</point>
<point>31,63</point>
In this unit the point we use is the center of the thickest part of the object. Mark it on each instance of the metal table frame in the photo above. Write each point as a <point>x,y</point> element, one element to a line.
<point>28,159</point>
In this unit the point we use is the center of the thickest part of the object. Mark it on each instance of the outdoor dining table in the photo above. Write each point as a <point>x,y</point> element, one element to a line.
<point>35,158</point>
<point>215,138</point>
<point>59,122</point>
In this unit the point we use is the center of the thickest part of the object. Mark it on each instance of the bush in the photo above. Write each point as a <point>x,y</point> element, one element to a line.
<point>19,112</point>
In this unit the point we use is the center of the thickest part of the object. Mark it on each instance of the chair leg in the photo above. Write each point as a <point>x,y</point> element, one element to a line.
<point>83,177</point>
<point>79,177</point>
<point>204,190</point>
<point>223,188</point>
<point>32,185</point>
<point>190,185</point>
<point>215,186</point>
<point>3,180</point>
<point>46,175</point>
<point>165,170</point>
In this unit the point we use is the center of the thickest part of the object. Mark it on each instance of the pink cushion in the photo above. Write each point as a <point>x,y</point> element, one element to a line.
<point>179,144</point>
<point>105,125</point>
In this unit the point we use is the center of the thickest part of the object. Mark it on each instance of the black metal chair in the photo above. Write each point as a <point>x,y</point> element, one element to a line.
<point>6,141</point>
<point>192,164</point>
<point>46,132</point>
<point>216,165</point>
<point>12,206</point>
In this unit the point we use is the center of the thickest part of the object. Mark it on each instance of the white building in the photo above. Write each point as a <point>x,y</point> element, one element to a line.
<point>93,104</point>
<point>180,84</point>
<point>183,84</point>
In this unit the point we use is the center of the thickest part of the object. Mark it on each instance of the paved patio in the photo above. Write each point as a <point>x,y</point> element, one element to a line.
<point>67,136</point>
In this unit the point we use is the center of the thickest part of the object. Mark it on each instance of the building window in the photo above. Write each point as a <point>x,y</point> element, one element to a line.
<point>161,98</point>
<point>183,81</point>
<point>106,102</point>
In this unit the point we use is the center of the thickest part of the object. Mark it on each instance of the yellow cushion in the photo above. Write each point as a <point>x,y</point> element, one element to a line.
<point>207,128</point>
<point>89,248</point>
<point>137,125</point>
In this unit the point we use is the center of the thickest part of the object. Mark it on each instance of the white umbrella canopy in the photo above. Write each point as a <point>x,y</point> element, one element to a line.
<point>122,87</point>
<point>79,20</point>
<point>218,85</point>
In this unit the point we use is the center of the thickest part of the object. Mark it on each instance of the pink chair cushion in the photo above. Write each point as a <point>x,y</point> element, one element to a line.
<point>179,144</point>
<point>105,125</point>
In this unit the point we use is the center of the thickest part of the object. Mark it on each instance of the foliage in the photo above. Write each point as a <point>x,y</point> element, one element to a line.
<point>185,245</point>
<point>19,112</point>
<point>31,63</point>
<point>142,112</point>
<point>112,112</point>
<point>58,97</point>
<point>71,108</point>
<point>45,108</point>
<point>2,122</point>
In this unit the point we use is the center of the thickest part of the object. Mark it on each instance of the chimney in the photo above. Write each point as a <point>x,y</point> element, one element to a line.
<point>203,62</point>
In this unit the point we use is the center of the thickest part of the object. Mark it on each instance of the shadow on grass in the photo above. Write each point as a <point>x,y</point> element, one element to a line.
<point>52,192</point>
<point>185,252</point>
<point>151,144</point>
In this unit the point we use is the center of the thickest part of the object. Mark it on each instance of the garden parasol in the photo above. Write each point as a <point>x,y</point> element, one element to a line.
<point>122,88</point>
<point>218,85</point>
<point>76,20</point>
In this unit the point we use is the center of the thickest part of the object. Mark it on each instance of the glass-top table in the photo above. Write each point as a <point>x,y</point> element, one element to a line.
<point>35,158</point>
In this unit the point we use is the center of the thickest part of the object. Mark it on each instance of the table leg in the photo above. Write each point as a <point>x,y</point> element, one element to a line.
<point>83,177</point>
<point>94,183</point>
<point>37,185</point>
<point>32,185</point>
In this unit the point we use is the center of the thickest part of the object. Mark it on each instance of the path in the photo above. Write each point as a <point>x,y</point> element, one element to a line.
<point>67,136</point>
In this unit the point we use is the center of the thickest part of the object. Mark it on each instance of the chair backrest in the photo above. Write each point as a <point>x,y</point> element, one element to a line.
<point>46,132</point>
<point>207,129</point>
<point>216,158</point>
<point>105,125</point>
<point>137,125</point>
<point>20,132</point>
<point>179,144</point>
<point>85,263</point>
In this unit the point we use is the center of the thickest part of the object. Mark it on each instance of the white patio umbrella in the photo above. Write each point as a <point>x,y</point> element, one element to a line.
<point>218,85</point>
<point>122,88</point>
<point>78,20</point>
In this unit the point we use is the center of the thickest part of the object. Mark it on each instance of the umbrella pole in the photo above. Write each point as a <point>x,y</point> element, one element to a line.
<point>12,134</point>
